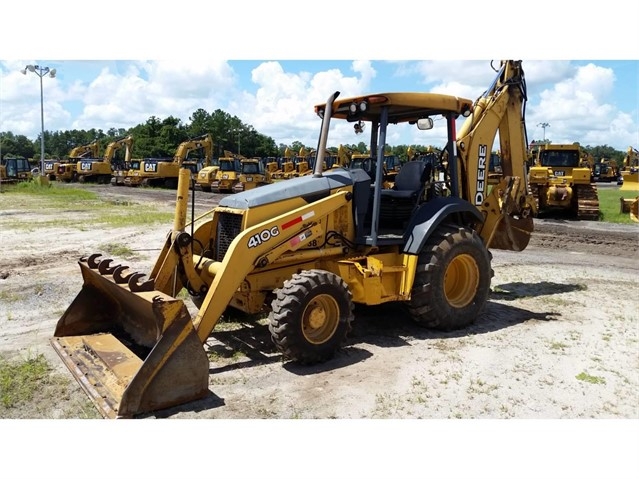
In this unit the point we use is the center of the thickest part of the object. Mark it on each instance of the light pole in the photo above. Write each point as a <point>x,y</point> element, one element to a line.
<point>239,152</point>
<point>40,71</point>
<point>544,126</point>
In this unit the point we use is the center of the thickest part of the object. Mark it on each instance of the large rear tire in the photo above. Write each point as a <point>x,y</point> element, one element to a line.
<point>452,281</point>
<point>311,316</point>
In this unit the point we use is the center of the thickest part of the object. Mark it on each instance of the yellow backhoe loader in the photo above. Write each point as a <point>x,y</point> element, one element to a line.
<point>156,172</point>
<point>99,170</point>
<point>66,170</point>
<point>308,249</point>
<point>560,183</point>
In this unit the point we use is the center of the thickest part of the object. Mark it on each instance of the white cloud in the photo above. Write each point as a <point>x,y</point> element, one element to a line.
<point>577,101</point>
<point>282,106</point>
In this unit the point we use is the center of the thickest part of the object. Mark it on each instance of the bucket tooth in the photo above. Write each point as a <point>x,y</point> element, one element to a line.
<point>117,275</point>
<point>104,267</point>
<point>92,260</point>
<point>136,287</point>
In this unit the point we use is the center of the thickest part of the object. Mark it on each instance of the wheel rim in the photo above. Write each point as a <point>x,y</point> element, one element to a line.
<point>461,280</point>
<point>320,319</point>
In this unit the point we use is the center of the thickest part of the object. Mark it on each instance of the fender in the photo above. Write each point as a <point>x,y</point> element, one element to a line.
<point>431,214</point>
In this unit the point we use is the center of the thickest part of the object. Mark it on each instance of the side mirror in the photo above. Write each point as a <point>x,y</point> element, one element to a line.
<point>425,124</point>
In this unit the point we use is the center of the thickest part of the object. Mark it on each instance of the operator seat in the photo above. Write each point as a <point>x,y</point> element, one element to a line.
<point>397,204</point>
<point>408,181</point>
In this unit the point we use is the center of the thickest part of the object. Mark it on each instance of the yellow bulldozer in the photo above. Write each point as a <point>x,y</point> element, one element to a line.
<point>252,174</point>
<point>606,171</point>
<point>560,183</point>
<point>15,170</point>
<point>630,170</point>
<point>228,175</point>
<point>305,251</point>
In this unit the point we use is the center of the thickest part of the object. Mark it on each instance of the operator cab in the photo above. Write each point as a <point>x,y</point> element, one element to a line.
<point>386,216</point>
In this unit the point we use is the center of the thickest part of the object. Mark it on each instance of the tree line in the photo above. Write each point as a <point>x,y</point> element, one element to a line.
<point>159,138</point>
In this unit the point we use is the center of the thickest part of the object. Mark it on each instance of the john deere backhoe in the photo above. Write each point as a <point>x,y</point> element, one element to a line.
<point>99,170</point>
<point>307,249</point>
<point>158,173</point>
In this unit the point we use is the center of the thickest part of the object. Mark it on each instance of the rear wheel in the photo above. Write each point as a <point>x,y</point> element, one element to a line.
<point>452,281</point>
<point>311,316</point>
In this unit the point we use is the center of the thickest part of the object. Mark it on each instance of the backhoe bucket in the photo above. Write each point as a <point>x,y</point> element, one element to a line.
<point>132,349</point>
<point>512,234</point>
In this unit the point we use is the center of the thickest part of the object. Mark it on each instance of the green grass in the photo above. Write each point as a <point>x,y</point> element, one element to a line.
<point>583,376</point>
<point>88,207</point>
<point>118,250</point>
<point>51,191</point>
<point>609,205</point>
<point>19,380</point>
<point>9,296</point>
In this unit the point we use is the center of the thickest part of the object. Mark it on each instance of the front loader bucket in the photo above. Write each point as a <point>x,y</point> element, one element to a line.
<point>132,349</point>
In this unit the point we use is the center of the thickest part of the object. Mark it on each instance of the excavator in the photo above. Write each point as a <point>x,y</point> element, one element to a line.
<point>99,170</point>
<point>560,183</point>
<point>343,157</point>
<point>66,170</point>
<point>156,172</point>
<point>306,250</point>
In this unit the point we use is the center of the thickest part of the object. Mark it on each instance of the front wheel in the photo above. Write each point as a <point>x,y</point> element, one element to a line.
<point>452,281</point>
<point>311,316</point>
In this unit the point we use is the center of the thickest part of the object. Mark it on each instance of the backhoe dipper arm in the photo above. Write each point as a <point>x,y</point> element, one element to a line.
<point>507,208</point>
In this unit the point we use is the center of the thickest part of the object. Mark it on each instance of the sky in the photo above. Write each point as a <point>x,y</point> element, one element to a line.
<point>580,95</point>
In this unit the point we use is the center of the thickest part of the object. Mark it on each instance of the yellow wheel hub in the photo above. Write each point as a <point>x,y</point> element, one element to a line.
<point>320,319</point>
<point>461,280</point>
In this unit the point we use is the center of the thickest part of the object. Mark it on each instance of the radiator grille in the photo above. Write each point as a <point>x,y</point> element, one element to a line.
<point>228,227</point>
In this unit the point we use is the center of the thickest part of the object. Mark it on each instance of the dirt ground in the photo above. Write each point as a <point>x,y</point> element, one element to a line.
<point>559,337</point>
